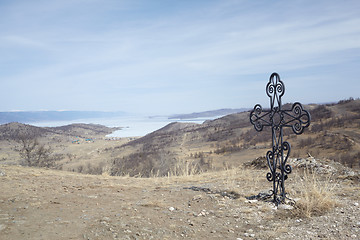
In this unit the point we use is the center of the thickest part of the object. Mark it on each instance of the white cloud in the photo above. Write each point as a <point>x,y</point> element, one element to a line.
<point>137,47</point>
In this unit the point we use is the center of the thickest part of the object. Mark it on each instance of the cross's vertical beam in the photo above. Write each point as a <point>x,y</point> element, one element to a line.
<point>297,118</point>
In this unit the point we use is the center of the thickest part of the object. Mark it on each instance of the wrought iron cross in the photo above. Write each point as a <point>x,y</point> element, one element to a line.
<point>277,118</point>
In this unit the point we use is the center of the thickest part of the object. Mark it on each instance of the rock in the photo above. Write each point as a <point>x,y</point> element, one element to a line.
<point>252,235</point>
<point>2,227</point>
<point>171,209</point>
<point>259,163</point>
<point>202,213</point>
<point>273,207</point>
<point>197,198</point>
<point>2,173</point>
<point>285,207</point>
<point>312,163</point>
<point>5,216</point>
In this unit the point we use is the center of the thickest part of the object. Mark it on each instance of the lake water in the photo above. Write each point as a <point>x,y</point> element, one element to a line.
<point>132,126</point>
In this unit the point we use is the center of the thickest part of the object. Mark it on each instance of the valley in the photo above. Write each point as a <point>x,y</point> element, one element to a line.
<point>183,181</point>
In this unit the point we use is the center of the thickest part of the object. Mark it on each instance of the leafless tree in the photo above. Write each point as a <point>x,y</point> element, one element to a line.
<point>33,152</point>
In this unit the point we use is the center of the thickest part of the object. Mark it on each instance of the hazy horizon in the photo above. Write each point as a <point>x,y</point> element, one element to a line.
<point>174,112</point>
<point>166,57</point>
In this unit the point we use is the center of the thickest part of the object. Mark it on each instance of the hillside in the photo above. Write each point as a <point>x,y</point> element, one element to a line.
<point>231,140</point>
<point>180,148</point>
<point>67,145</point>
<point>12,131</point>
<point>46,204</point>
<point>192,181</point>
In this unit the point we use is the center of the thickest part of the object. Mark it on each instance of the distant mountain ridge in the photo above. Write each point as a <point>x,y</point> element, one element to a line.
<point>43,116</point>
<point>38,116</point>
<point>212,113</point>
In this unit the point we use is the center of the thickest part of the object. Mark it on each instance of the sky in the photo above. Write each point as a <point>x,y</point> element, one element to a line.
<point>167,56</point>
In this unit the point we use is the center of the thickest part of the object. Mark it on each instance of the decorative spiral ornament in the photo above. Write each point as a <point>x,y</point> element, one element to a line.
<point>286,148</point>
<point>297,109</point>
<point>297,128</point>
<point>280,87</point>
<point>270,88</point>
<point>275,86</point>
<point>269,155</point>
<point>258,109</point>
<point>301,118</point>
<point>287,169</point>
<point>269,177</point>
<point>270,160</point>
<point>258,126</point>
<point>255,119</point>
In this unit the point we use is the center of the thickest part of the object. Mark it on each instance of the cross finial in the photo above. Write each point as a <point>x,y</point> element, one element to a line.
<point>275,89</point>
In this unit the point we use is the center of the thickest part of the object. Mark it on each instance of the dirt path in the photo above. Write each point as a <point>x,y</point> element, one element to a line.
<point>47,204</point>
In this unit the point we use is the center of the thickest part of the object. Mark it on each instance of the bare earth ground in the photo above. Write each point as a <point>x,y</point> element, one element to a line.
<point>49,204</point>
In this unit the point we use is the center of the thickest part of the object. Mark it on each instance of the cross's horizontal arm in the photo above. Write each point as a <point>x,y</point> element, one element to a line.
<point>258,119</point>
<point>297,118</point>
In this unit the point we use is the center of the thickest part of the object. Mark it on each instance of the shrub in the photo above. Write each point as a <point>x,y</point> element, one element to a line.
<point>320,112</point>
<point>185,168</point>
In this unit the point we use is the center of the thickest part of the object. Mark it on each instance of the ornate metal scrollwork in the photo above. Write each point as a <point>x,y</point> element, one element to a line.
<point>275,89</point>
<point>296,118</point>
<point>299,119</point>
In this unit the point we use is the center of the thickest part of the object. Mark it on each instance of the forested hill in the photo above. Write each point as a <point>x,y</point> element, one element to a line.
<point>212,113</point>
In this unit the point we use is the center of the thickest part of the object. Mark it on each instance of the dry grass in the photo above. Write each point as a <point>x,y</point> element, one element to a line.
<point>244,180</point>
<point>184,168</point>
<point>316,196</point>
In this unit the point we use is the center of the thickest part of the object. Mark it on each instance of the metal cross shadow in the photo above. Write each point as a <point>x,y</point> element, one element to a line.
<point>277,118</point>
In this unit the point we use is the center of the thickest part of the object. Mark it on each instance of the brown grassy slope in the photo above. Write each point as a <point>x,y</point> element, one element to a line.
<point>12,131</point>
<point>69,156</point>
<point>83,130</point>
<point>231,140</point>
<point>187,148</point>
